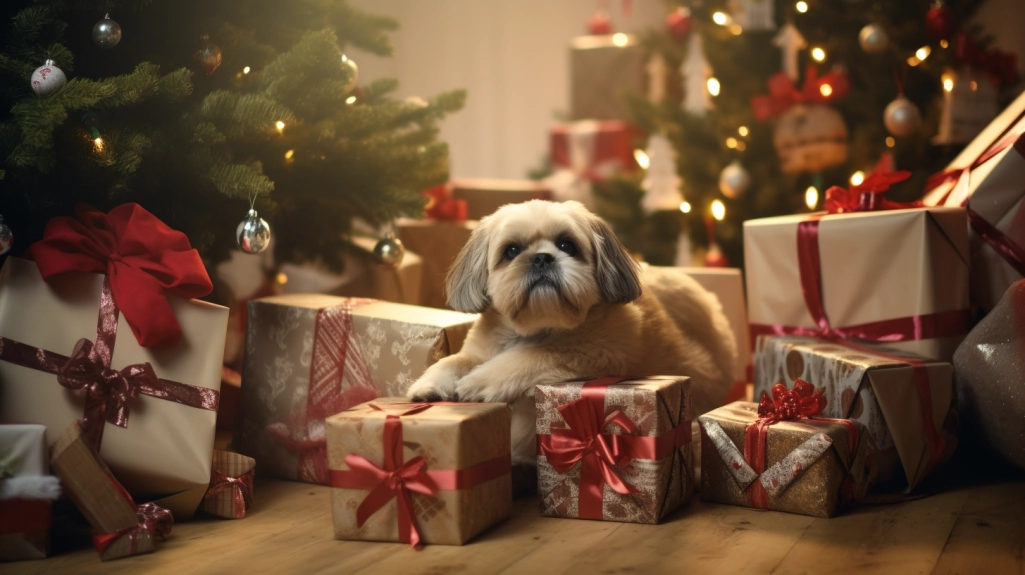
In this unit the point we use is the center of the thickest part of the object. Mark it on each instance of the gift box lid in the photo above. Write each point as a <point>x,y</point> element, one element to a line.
<point>412,314</point>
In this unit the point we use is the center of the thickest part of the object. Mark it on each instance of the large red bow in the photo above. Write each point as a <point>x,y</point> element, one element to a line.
<point>783,94</point>
<point>868,195</point>
<point>442,206</point>
<point>143,258</point>
<point>1000,66</point>
<point>801,402</point>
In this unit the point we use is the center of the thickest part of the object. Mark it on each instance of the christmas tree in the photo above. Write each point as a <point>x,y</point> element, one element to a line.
<point>792,100</point>
<point>200,110</point>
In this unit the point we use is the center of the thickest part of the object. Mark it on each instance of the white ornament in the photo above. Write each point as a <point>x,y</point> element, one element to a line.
<point>790,42</point>
<point>657,72</point>
<point>252,233</point>
<point>734,180</point>
<point>48,78</point>
<point>696,72</point>
<point>753,14</point>
<point>684,251</point>
<point>902,117</point>
<point>661,184</point>
<point>969,105</point>
<point>873,39</point>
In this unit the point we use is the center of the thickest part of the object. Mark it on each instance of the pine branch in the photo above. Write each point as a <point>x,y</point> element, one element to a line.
<point>240,181</point>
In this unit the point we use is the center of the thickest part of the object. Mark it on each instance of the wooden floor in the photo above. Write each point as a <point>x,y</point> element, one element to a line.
<point>978,528</point>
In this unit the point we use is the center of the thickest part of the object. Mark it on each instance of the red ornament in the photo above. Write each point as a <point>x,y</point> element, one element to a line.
<point>714,258</point>
<point>208,57</point>
<point>599,24</point>
<point>678,24</point>
<point>940,23</point>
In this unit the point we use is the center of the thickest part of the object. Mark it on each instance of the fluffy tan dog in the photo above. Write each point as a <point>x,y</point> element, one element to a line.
<point>560,298</point>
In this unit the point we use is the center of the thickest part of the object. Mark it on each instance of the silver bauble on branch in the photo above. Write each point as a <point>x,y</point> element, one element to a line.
<point>352,70</point>
<point>47,79</point>
<point>106,33</point>
<point>253,233</point>
<point>902,117</point>
<point>873,39</point>
<point>6,237</point>
<point>389,251</point>
<point>734,180</point>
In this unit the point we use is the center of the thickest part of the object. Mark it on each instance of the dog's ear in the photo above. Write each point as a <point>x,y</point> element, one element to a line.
<point>467,280</point>
<point>616,273</point>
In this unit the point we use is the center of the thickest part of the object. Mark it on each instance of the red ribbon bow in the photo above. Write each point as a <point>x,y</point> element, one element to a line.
<point>783,94</point>
<point>241,490</point>
<point>868,195</point>
<point>152,518</point>
<point>442,206</point>
<point>801,402</point>
<point>143,258</point>
<point>1000,66</point>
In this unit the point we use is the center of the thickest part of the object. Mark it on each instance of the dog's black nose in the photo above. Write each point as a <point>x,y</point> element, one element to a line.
<point>542,260</point>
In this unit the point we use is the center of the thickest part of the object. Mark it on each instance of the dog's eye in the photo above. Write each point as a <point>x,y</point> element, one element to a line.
<point>512,251</point>
<point>567,246</point>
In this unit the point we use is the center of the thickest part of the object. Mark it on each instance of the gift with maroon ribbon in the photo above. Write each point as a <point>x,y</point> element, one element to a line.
<point>783,94</point>
<point>419,473</point>
<point>779,454</point>
<point>26,492</point>
<point>615,448</point>
<point>231,485</point>
<point>586,152</point>
<point>309,356</point>
<point>100,328</point>
<point>120,527</point>
<point>442,206</point>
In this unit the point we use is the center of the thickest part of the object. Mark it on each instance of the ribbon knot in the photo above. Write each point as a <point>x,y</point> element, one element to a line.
<point>151,518</point>
<point>114,257</point>
<point>783,94</point>
<point>868,195</point>
<point>241,490</point>
<point>801,402</point>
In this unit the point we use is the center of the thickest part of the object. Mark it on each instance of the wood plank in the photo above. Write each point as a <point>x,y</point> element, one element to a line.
<point>989,536</point>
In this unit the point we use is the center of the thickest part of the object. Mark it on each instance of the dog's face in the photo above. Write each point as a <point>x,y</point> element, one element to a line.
<point>542,265</point>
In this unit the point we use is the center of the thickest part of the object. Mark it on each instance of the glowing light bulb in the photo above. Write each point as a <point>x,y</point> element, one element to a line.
<point>685,207</point>
<point>98,142</point>
<point>720,18</point>
<point>718,210</point>
<point>802,7</point>
<point>890,142</point>
<point>742,130</point>
<point>289,154</point>
<point>245,70</point>
<point>282,278</point>
<point>713,86</point>
<point>731,143</point>
<point>826,90</point>
<point>857,178</point>
<point>642,158</point>
<point>948,83</point>
<point>923,52</point>
<point>818,54</point>
<point>350,100</point>
<point>944,44</point>
<point>811,197</point>
<point>620,39</point>
<point>280,126</point>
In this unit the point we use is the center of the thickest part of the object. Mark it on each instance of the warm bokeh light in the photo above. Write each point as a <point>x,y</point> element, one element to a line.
<point>713,86</point>
<point>620,39</point>
<point>890,142</point>
<point>245,70</point>
<point>802,7</point>
<point>741,146</point>
<point>98,143</point>
<point>811,197</point>
<point>742,130</point>
<point>718,210</point>
<point>948,83</point>
<point>857,178</point>
<point>720,18</point>
<point>685,207</point>
<point>818,54</point>
<point>350,100</point>
<point>282,278</point>
<point>642,158</point>
<point>973,85</point>
<point>923,52</point>
<point>289,154</point>
<point>826,90</point>
<point>736,29</point>
<point>944,44</point>
<point>279,125</point>
<point>731,143</point>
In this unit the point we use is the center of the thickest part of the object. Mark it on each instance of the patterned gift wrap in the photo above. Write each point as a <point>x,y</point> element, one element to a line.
<point>231,485</point>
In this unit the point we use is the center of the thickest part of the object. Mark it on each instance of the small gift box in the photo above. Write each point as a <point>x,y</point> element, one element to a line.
<point>604,69</point>
<point>231,485</point>
<point>26,491</point>
<point>100,328</point>
<point>120,527</point>
<point>419,473</point>
<point>905,402</point>
<point>585,152</point>
<point>310,356</point>
<point>986,179</point>
<point>614,449</point>
<point>483,196</point>
<point>779,455</point>
<point>438,242</point>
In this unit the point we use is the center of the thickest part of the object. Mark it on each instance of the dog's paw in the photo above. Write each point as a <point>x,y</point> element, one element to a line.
<point>477,389</point>
<point>433,387</point>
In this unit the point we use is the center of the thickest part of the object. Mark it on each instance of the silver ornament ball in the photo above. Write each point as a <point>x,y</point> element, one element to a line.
<point>389,251</point>
<point>253,234</point>
<point>873,39</point>
<point>47,79</point>
<point>6,237</point>
<point>734,180</point>
<point>352,71</point>
<point>106,33</point>
<point>902,117</point>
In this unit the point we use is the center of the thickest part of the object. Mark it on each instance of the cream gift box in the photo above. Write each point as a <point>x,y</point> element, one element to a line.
<point>26,492</point>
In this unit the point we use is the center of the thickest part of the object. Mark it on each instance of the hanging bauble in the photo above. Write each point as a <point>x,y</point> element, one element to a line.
<point>253,233</point>
<point>208,57</point>
<point>678,24</point>
<point>714,258</point>
<point>48,78</point>
<point>389,251</point>
<point>940,22</point>
<point>734,180</point>
<point>6,237</point>
<point>902,117</point>
<point>351,73</point>
<point>810,138</point>
<point>873,39</point>
<point>106,33</point>
<point>599,24</point>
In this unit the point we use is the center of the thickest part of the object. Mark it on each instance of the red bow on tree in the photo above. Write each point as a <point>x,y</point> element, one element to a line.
<point>801,402</point>
<point>783,94</point>
<point>442,206</point>
<point>1000,66</point>
<point>868,195</point>
<point>143,258</point>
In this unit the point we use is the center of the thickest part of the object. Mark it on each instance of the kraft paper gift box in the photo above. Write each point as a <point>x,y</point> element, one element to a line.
<point>158,442</point>
<point>26,492</point>
<point>453,466</point>
<point>438,242</point>
<point>231,485</point>
<point>913,428</point>
<point>485,195</point>
<point>120,527</point>
<point>807,467</point>
<point>602,74</point>
<point>986,178</point>
<point>894,276</point>
<point>635,433</point>
<point>309,356</point>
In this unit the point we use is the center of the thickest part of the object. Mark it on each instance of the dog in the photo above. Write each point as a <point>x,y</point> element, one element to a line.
<point>561,298</point>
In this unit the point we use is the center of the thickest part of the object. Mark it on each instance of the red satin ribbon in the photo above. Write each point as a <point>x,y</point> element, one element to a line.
<point>442,206</point>
<point>142,257</point>
<point>24,516</point>
<point>957,174</point>
<point>397,478</point>
<point>108,392</point>
<point>241,488</point>
<point>614,141</point>
<point>598,453</point>
<point>152,518</point>
<point>1010,251</point>
<point>783,94</point>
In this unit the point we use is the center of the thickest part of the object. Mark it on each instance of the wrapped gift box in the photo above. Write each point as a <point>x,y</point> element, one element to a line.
<point>311,356</point>
<point>728,285</point>
<point>26,492</point>
<point>603,73</point>
<point>899,276</point>
<point>440,243</point>
<point>231,485</point>
<point>912,428</point>
<point>808,467</point>
<point>644,423</point>
<point>585,152</point>
<point>455,462</point>
<point>986,178</point>
<point>120,527</point>
<point>484,195</point>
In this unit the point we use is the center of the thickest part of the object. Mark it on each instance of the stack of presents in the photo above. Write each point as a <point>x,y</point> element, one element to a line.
<point>872,334</point>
